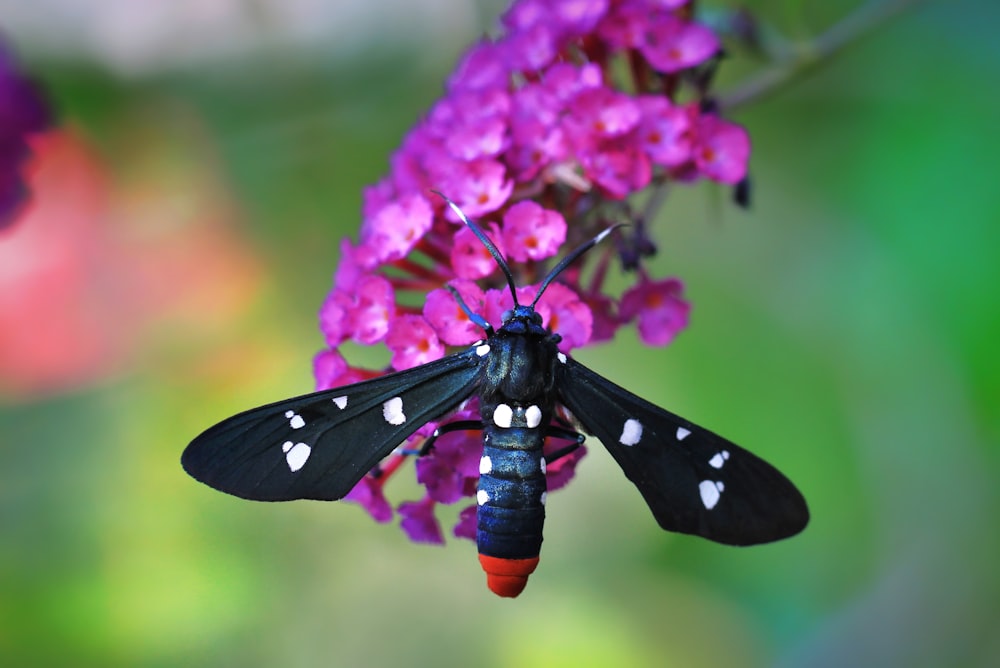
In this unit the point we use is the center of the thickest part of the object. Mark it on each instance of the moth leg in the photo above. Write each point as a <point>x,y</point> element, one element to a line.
<point>458,425</point>
<point>565,434</point>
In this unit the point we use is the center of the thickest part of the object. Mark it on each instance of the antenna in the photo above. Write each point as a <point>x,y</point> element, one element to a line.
<point>490,246</point>
<point>495,252</point>
<point>571,258</point>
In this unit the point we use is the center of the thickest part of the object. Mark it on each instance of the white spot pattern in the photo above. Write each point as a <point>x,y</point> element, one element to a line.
<point>718,459</point>
<point>483,350</point>
<point>631,432</point>
<point>482,497</point>
<point>534,416</point>
<point>392,411</point>
<point>341,402</point>
<point>502,416</point>
<point>542,465</point>
<point>296,454</point>
<point>543,497</point>
<point>562,357</point>
<point>682,433</point>
<point>295,420</point>
<point>485,465</point>
<point>710,492</point>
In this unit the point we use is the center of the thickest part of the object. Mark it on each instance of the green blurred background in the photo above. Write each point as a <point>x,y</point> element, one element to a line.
<point>845,329</point>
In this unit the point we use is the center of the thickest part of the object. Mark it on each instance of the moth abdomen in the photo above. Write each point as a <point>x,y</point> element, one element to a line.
<point>511,497</point>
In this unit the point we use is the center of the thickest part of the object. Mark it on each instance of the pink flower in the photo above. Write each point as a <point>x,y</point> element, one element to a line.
<point>568,315</point>
<point>532,232</point>
<point>349,270</point>
<point>419,522</point>
<point>721,150</point>
<point>372,307</point>
<point>332,370</point>
<point>673,44</point>
<point>361,312</point>
<point>466,526</point>
<point>664,132</point>
<point>603,113</point>
<point>479,187</point>
<point>484,66</point>
<point>469,256</point>
<point>531,49</point>
<point>660,309</point>
<point>606,322</point>
<point>561,471</point>
<point>471,124</point>
<point>619,170</point>
<point>478,138</point>
<point>498,301</point>
<point>577,17</point>
<point>566,80</point>
<point>546,135</point>
<point>413,342</point>
<point>450,470</point>
<point>395,229</point>
<point>451,323</point>
<point>368,493</point>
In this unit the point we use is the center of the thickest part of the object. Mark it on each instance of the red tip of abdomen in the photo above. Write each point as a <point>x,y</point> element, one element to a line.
<point>507,577</point>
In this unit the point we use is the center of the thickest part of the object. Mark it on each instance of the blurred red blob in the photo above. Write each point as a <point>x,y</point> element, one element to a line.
<point>97,263</point>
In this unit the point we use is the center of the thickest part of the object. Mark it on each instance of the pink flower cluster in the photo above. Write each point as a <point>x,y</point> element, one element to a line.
<point>542,135</point>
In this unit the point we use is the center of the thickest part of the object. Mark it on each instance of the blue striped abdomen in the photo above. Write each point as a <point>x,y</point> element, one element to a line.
<point>511,497</point>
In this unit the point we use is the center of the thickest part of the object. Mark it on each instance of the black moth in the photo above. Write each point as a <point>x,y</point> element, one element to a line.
<point>318,446</point>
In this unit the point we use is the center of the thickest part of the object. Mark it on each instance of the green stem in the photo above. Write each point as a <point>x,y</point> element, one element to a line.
<point>815,52</point>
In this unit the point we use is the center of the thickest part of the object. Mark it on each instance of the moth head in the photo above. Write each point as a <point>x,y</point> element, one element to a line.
<point>524,313</point>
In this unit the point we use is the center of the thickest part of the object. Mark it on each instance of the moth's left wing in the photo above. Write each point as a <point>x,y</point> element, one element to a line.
<point>318,446</point>
<point>693,480</point>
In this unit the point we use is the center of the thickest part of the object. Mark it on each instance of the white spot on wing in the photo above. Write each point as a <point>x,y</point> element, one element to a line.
<point>710,492</point>
<point>482,350</point>
<point>296,454</point>
<point>482,497</point>
<point>502,416</point>
<point>562,357</point>
<point>341,402</point>
<point>543,497</point>
<point>295,420</point>
<point>485,465</point>
<point>392,411</point>
<point>631,432</point>
<point>534,416</point>
<point>541,465</point>
<point>682,433</point>
<point>719,459</point>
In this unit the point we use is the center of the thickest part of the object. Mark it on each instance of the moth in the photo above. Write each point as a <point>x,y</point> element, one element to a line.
<point>320,445</point>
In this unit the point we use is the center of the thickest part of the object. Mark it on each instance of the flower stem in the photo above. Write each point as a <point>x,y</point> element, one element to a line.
<point>816,52</point>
